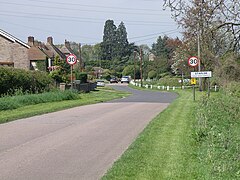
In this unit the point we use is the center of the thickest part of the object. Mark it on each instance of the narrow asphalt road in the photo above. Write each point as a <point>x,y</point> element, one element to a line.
<point>78,143</point>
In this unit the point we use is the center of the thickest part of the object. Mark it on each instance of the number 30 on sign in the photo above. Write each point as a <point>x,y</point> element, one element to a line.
<point>193,61</point>
<point>71,59</point>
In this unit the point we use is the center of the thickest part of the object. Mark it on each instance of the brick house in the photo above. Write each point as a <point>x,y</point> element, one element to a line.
<point>13,52</point>
<point>66,49</point>
<point>53,49</point>
<point>38,55</point>
<point>41,54</point>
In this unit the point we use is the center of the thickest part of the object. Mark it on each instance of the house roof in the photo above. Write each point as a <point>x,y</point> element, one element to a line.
<point>35,53</point>
<point>53,49</point>
<point>66,49</point>
<point>12,38</point>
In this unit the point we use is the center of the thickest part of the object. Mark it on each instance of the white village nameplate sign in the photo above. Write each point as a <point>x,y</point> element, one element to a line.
<point>201,74</point>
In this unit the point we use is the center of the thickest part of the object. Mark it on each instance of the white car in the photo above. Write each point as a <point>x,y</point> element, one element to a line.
<point>100,83</point>
<point>125,79</point>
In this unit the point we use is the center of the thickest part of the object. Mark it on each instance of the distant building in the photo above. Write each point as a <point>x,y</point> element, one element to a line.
<point>43,55</point>
<point>151,57</point>
<point>13,52</point>
<point>66,49</point>
<point>38,55</point>
<point>98,71</point>
<point>54,50</point>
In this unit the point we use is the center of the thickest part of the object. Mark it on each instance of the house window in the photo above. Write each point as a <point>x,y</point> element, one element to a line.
<point>9,64</point>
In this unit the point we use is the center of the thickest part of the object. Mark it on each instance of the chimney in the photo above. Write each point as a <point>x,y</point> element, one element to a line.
<point>50,40</point>
<point>41,45</point>
<point>31,41</point>
<point>67,44</point>
<point>36,43</point>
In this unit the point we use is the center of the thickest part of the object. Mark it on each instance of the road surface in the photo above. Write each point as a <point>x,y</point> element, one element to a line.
<point>78,143</point>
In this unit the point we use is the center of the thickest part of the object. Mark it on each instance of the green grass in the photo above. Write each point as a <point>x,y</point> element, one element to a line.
<point>165,149</point>
<point>189,140</point>
<point>14,102</point>
<point>218,137</point>
<point>102,95</point>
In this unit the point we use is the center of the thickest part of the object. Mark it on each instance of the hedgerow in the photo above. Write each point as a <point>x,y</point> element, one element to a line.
<point>12,79</point>
<point>218,134</point>
<point>14,102</point>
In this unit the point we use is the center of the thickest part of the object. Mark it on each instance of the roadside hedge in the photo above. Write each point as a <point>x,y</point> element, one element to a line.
<point>12,80</point>
<point>218,135</point>
<point>14,102</point>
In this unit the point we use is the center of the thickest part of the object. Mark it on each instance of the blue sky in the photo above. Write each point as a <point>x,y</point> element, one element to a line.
<point>83,21</point>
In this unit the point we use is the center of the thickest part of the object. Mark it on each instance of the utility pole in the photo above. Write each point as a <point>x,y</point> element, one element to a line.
<point>141,71</point>
<point>200,29</point>
<point>199,61</point>
<point>80,58</point>
<point>134,54</point>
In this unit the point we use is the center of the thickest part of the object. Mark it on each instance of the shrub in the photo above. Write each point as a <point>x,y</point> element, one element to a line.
<point>12,79</point>
<point>13,102</point>
<point>169,81</point>
<point>82,77</point>
<point>152,74</point>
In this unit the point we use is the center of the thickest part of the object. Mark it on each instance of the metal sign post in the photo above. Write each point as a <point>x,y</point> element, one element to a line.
<point>202,74</point>
<point>71,60</point>
<point>71,76</point>
<point>193,83</point>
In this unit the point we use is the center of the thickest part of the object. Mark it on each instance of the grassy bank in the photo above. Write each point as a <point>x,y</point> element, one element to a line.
<point>218,137</point>
<point>102,95</point>
<point>17,101</point>
<point>165,149</point>
<point>189,140</point>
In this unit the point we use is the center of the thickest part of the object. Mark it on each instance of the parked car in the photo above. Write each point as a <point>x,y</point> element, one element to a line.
<point>125,79</point>
<point>114,80</point>
<point>100,83</point>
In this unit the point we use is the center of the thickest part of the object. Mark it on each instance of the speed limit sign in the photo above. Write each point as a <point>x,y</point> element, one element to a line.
<point>71,59</point>
<point>193,61</point>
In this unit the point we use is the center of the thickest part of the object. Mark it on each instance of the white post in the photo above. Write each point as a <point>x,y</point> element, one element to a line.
<point>167,88</point>
<point>215,87</point>
<point>163,87</point>
<point>151,86</point>
<point>158,87</point>
<point>173,88</point>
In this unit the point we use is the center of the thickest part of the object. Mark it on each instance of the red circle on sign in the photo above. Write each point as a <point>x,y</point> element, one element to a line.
<point>193,61</point>
<point>71,59</point>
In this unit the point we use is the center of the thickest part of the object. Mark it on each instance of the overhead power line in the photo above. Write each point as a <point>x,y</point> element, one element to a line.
<point>68,19</point>
<point>48,31</point>
<point>49,16</point>
<point>77,9</point>
<point>137,37</point>
<point>155,37</point>
<point>88,5</point>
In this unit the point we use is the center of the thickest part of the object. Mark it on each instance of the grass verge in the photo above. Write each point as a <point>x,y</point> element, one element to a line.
<point>14,102</point>
<point>102,95</point>
<point>218,137</point>
<point>165,149</point>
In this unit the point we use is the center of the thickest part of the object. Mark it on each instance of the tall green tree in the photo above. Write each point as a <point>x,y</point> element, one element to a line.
<point>122,45</point>
<point>160,48</point>
<point>109,40</point>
